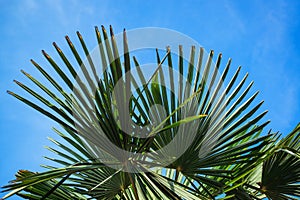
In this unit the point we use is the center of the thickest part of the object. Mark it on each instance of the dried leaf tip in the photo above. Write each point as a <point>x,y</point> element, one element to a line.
<point>9,92</point>
<point>32,61</point>
<point>124,35</point>
<point>79,35</point>
<point>68,39</point>
<point>56,47</point>
<point>45,54</point>
<point>111,30</point>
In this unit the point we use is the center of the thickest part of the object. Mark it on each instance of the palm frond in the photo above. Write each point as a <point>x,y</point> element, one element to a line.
<point>203,139</point>
<point>281,171</point>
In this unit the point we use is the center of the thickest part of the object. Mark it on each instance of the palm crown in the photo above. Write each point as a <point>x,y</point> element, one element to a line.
<point>186,132</point>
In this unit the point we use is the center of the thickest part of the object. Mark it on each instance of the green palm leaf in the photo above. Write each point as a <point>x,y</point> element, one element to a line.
<point>281,171</point>
<point>213,119</point>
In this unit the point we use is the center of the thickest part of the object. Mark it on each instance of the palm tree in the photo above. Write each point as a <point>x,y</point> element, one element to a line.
<point>193,134</point>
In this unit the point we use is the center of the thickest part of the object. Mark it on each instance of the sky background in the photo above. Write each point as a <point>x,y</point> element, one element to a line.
<point>262,36</point>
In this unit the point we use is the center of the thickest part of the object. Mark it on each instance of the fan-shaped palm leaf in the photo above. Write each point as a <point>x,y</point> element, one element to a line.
<point>212,118</point>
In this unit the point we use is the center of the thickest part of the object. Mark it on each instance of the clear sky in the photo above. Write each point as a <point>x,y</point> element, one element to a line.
<point>262,36</point>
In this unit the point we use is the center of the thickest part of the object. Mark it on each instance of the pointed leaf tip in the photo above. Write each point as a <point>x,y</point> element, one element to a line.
<point>78,34</point>
<point>9,92</point>
<point>56,47</point>
<point>44,52</point>
<point>111,30</point>
<point>68,39</point>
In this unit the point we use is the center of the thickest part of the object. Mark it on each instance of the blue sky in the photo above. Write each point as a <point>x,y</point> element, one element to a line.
<point>262,36</point>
